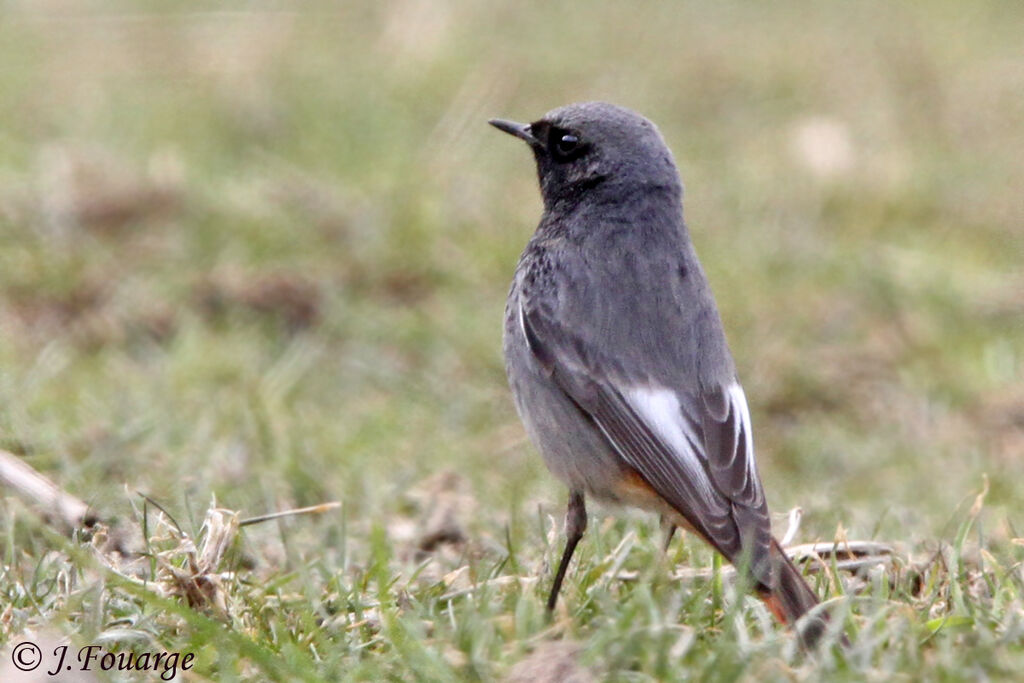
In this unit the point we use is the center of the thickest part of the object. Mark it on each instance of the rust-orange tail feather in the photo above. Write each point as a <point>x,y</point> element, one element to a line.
<point>792,597</point>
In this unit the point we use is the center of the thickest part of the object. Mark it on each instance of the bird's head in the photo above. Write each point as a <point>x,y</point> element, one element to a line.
<point>595,147</point>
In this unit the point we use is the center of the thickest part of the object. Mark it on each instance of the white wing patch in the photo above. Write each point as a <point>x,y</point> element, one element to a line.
<point>522,322</point>
<point>739,407</point>
<point>660,409</point>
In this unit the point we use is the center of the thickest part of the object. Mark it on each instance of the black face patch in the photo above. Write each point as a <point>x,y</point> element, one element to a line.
<point>561,145</point>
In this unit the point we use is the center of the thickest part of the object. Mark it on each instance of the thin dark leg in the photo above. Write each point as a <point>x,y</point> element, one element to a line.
<point>670,530</point>
<point>575,525</point>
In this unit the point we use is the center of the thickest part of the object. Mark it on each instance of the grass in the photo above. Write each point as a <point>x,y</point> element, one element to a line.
<point>261,255</point>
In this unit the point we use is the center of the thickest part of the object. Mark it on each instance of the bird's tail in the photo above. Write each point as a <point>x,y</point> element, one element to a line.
<point>792,597</point>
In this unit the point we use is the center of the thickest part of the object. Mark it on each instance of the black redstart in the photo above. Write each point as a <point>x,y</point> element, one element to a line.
<point>616,356</point>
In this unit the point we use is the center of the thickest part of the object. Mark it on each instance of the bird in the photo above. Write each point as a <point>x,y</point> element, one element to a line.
<point>617,358</point>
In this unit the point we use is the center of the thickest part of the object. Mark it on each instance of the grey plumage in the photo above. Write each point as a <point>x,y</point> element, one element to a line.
<point>615,350</point>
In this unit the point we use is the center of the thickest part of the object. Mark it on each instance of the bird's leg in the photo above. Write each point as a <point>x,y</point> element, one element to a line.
<point>670,530</point>
<point>575,525</point>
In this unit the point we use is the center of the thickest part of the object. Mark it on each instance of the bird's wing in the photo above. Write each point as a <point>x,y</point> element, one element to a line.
<point>691,444</point>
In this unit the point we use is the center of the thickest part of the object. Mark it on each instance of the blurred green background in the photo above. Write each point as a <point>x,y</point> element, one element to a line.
<point>260,251</point>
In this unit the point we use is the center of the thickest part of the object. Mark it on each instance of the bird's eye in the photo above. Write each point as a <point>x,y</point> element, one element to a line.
<point>565,146</point>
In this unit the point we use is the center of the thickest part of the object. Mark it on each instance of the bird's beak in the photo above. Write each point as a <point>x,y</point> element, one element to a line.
<point>520,130</point>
